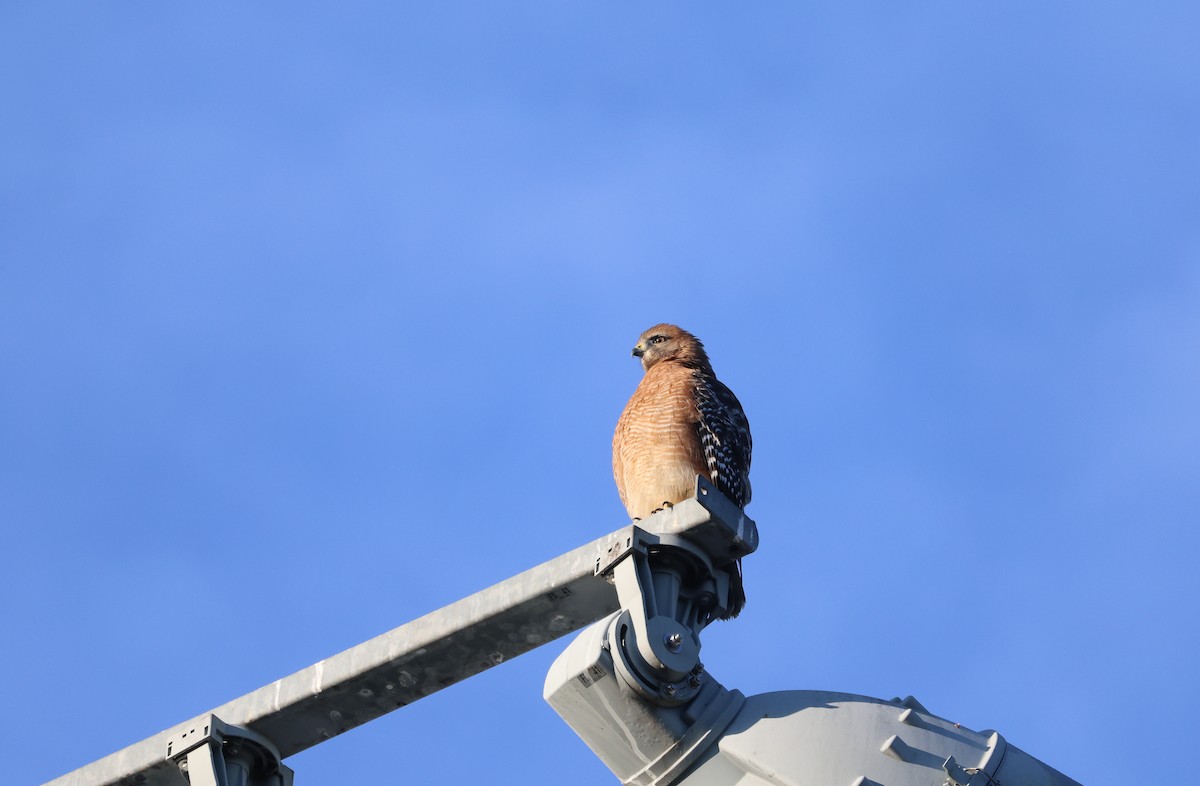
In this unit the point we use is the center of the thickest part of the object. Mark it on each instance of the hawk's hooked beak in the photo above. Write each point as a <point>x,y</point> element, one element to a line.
<point>638,351</point>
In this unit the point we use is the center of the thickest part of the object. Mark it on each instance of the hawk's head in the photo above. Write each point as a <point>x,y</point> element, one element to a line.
<point>669,342</point>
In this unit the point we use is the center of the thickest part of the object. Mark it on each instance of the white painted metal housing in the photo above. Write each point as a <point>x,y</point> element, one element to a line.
<point>790,738</point>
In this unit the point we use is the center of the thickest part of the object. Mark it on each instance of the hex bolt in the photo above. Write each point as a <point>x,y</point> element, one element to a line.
<point>674,641</point>
<point>669,690</point>
<point>694,681</point>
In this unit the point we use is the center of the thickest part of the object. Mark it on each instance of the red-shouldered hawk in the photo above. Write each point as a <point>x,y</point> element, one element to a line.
<point>681,422</point>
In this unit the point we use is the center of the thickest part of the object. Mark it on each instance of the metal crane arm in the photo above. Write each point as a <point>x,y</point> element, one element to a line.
<point>430,653</point>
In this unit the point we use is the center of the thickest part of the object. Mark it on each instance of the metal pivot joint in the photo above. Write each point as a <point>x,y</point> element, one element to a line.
<point>214,753</point>
<point>670,587</point>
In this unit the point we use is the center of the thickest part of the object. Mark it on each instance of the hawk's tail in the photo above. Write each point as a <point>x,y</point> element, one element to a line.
<point>737,591</point>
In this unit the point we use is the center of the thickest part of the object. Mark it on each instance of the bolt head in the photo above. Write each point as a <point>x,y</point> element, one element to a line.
<point>674,641</point>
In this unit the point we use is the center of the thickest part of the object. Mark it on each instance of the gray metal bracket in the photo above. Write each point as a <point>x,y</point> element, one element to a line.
<point>670,587</point>
<point>214,753</point>
<point>665,587</point>
<point>983,774</point>
<point>707,530</point>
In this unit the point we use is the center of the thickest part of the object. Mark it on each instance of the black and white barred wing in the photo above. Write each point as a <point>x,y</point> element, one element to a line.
<point>725,437</point>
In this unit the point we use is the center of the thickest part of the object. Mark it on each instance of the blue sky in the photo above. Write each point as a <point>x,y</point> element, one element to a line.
<point>315,319</point>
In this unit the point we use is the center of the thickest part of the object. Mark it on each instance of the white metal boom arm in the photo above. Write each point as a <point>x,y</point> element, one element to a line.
<point>430,653</point>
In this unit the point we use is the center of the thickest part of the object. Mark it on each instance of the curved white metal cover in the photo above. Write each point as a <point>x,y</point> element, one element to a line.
<point>819,738</point>
<point>792,738</point>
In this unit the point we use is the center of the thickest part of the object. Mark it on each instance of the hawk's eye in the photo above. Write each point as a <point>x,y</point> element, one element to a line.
<point>657,339</point>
